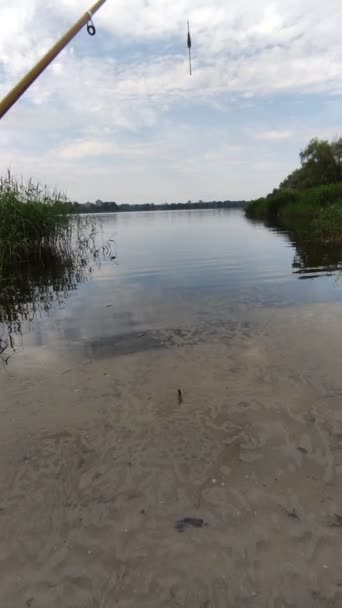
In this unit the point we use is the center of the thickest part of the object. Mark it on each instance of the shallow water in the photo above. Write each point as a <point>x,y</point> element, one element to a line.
<point>116,492</point>
<point>184,269</point>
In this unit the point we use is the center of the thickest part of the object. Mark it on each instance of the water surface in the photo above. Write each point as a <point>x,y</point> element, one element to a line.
<point>180,270</point>
<point>100,458</point>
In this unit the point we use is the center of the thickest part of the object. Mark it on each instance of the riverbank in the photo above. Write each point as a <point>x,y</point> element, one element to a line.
<point>99,461</point>
<point>319,210</point>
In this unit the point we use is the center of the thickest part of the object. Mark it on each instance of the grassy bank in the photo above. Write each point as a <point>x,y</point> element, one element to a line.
<point>35,225</point>
<point>320,207</point>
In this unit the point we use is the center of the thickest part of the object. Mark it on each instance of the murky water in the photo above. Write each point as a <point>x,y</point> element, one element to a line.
<point>177,269</point>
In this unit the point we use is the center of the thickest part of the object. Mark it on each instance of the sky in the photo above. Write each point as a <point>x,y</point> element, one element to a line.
<point>118,117</point>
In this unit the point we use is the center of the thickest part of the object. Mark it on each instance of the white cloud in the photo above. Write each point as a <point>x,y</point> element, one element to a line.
<point>82,149</point>
<point>274,135</point>
<point>90,147</point>
<point>132,77</point>
<point>249,47</point>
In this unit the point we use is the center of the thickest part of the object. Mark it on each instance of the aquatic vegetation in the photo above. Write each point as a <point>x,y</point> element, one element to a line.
<point>45,252</point>
<point>35,224</point>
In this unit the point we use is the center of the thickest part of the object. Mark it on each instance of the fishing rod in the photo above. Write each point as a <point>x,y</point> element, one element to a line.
<point>13,96</point>
<point>189,47</point>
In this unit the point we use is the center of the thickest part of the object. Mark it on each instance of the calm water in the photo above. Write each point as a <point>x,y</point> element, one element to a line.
<point>191,270</point>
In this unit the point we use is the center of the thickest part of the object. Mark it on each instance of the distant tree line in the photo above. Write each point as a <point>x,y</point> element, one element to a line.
<point>110,206</point>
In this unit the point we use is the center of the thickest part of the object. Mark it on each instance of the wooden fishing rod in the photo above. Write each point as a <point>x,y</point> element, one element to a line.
<point>33,74</point>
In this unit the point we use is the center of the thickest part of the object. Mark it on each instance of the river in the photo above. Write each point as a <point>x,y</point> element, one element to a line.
<point>171,422</point>
<point>188,269</point>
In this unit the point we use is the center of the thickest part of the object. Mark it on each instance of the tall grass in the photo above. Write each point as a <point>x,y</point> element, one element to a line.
<point>35,224</point>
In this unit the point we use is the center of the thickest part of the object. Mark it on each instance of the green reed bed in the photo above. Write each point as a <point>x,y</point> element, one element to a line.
<point>35,224</point>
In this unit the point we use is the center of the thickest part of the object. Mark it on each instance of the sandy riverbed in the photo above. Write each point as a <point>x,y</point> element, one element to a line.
<point>98,461</point>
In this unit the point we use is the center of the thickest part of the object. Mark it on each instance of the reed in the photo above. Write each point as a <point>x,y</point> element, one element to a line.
<point>35,224</point>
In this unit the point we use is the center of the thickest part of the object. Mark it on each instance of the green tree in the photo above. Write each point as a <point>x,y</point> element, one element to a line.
<point>337,152</point>
<point>321,163</point>
<point>318,162</point>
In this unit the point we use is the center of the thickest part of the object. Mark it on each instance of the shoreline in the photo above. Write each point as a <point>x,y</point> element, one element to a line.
<point>98,465</point>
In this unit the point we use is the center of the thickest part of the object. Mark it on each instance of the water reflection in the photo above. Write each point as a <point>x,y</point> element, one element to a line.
<point>33,290</point>
<point>312,258</point>
<point>176,271</point>
<point>29,291</point>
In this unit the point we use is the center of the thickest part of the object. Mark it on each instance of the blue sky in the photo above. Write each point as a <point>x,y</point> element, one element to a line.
<point>118,117</point>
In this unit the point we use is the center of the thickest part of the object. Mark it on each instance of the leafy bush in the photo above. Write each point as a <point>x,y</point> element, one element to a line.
<point>328,224</point>
<point>301,204</point>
